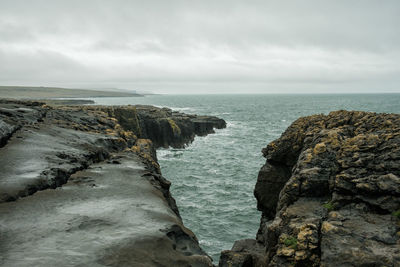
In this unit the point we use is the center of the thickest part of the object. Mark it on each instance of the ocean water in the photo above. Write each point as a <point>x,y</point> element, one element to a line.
<point>214,177</point>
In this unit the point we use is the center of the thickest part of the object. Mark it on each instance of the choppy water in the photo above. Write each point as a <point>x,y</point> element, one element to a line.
<point>213,179</point>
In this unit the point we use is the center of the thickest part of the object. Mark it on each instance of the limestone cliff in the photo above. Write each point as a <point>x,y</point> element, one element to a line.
<point>329,193</point>
<point>81,186</point>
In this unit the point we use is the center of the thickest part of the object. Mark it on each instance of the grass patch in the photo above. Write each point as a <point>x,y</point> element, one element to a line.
<point>291,242</point>
<point>396,214</point>
<point>330,206</point>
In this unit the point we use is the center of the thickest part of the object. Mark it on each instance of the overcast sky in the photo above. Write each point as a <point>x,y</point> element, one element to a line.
<point>203,46</point>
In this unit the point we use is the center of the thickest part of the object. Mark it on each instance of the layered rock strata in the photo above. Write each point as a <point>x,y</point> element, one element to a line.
<point>171,128</point>
<point>329,193</point>
<point>81,186</point>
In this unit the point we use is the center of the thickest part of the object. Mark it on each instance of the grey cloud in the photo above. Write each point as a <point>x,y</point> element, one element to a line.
<point>40,66</point>
<point>135,43</point>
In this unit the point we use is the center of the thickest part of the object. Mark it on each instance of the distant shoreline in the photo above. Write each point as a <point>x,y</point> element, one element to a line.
<point>30,92</point>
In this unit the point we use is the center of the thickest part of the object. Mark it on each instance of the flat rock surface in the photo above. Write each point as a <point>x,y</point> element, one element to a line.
<point>81,186</point>
<point>99,218</point>
<point>38,158</point>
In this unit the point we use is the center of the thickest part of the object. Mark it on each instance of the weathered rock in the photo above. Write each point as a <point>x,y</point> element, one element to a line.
<point>65,139</point>
<point>6,131</point>
<point>45,157</point>
<point>244,253</point>
<point>107,215</point>
<point>329,192</point>
<point>168,128</point>
<point>111,206</point>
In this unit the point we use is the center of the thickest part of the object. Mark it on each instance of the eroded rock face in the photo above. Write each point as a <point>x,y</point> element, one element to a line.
<point>51,143</point>
<point>6,131</point>
<point>169,128</point>
<point>329,193</point>
<point>111,205</point>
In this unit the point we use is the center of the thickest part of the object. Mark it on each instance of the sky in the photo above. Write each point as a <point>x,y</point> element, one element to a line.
<point>192,47</point>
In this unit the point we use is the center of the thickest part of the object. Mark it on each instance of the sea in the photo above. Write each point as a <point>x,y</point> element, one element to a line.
<point>213,178</point>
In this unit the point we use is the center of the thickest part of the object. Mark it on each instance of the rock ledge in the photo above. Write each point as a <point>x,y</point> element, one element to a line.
<point>81,186</point>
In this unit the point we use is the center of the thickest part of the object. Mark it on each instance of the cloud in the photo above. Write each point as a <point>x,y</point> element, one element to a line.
<point>183,45</point>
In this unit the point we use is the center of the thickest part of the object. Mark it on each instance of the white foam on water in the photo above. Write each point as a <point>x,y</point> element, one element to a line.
<point>184,109</point>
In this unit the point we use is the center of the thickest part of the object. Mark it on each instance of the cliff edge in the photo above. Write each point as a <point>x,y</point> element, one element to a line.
<point>81,186</point>
<point>329,193</point>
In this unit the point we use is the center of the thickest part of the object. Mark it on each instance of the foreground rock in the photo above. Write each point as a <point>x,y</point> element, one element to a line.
<point>110,207</point>
<point>329,195</point>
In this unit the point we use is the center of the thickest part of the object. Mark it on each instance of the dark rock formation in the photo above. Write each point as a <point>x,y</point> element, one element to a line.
<point>6,131</point>
<point>329,194</point>
<point>169,128</point>
<point>111,206</point>
<point>13,115</point>
<point>70,138</point>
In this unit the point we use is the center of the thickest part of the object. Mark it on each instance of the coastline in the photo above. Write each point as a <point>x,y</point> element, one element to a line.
<point>302,190</point>
<point>64,179</point>
<point>37,93</point>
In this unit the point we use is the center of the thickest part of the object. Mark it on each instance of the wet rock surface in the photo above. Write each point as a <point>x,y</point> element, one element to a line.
<point>6,131</point>
<point>81,186</point>
<point>329,194</point>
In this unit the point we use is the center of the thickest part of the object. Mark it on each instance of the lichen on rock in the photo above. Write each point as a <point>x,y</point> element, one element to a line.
<point>175,128</point>
<point>331,183</point>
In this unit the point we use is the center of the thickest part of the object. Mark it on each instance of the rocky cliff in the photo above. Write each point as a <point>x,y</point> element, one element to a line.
<point>81,186</point>
<point>329,193</point>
